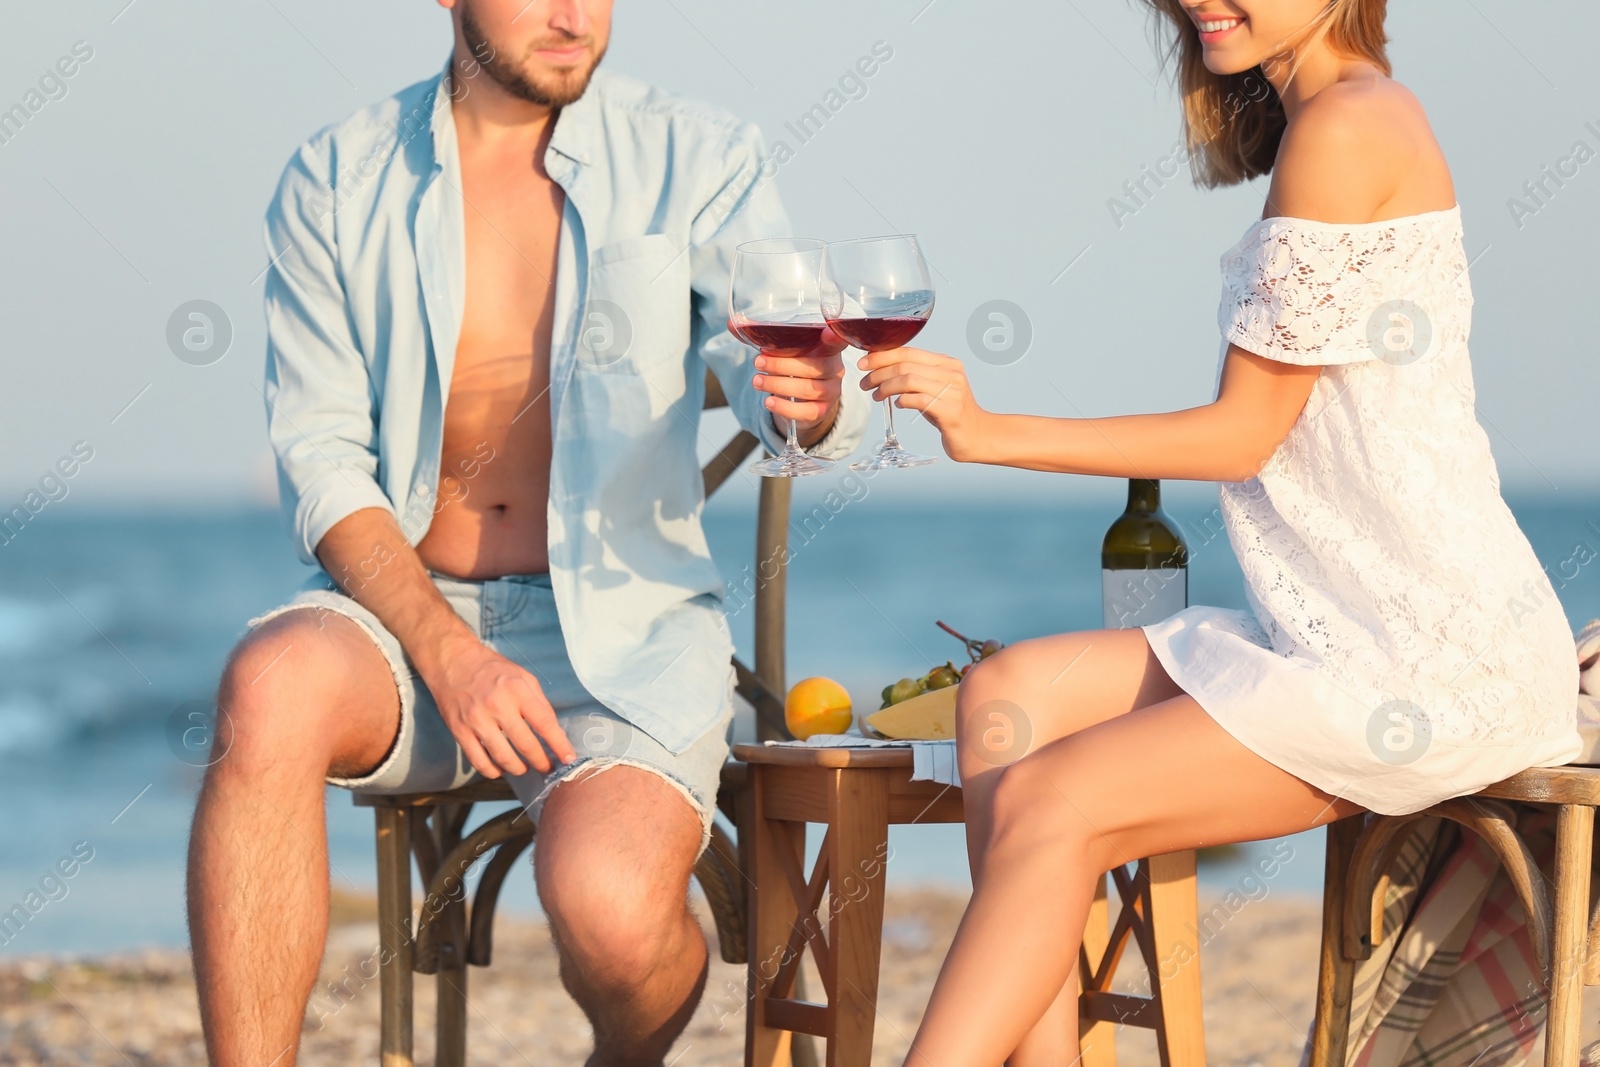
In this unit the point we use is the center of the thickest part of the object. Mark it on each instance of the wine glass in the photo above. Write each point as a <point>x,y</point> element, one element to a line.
<point>876,294</point>
<point>774,305</point>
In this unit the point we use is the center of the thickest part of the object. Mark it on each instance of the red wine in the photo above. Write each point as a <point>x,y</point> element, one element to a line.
<point>879,334</point>
<point>777,336</point>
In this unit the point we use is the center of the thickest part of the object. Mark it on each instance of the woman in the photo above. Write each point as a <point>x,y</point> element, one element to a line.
<point>1403,644</point>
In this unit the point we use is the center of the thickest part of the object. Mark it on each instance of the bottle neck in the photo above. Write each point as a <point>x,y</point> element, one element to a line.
<point>1144,495</point>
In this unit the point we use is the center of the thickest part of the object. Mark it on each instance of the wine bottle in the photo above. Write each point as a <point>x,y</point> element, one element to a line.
<point>1144,575</point>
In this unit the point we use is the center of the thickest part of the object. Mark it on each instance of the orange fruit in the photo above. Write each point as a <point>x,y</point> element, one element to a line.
<point>817,706</point>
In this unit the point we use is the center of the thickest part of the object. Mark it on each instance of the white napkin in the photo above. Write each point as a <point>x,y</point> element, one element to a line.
<point>932,761</point>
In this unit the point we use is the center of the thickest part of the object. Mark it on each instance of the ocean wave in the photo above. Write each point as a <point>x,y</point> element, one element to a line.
<point>65,710</point>
<point>27,725</point>
<point>24,625</point>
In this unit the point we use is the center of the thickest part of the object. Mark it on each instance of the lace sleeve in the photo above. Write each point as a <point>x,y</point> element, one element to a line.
<point>1303,294</point>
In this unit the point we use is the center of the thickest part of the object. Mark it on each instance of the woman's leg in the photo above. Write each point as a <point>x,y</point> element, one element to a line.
<point>1027,696</point>
<point>1158,779</point>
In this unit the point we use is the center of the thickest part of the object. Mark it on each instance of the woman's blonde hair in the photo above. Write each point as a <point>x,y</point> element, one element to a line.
<point>1233,122</point>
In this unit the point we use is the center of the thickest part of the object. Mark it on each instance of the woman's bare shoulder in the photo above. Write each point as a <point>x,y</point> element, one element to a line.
<point>1356,151</point>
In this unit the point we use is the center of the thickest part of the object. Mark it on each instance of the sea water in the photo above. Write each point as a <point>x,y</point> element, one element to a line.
<point>112,623</point>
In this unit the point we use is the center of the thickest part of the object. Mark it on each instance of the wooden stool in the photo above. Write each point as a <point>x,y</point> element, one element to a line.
<point>856,794</point>
<point>1360,850</point>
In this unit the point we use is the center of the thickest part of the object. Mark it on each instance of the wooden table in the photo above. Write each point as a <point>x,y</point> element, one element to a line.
<point>856,793</point>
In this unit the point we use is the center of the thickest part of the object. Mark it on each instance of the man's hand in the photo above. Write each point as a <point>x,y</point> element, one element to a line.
<point>495,710</point>
<point>492,706</point>
<point>804,384</point>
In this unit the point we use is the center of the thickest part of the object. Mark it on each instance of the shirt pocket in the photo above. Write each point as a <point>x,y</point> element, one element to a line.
<point>637,324</point>
<point>637,317</point>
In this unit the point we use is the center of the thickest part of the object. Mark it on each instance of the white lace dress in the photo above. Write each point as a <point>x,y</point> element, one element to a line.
<point>1403,644</point>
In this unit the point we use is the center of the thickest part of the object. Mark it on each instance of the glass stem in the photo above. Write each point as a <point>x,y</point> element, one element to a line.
<point>793,444</point>
<point>889,438</point>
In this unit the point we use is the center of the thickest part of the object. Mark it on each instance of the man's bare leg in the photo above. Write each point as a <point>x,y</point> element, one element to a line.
<point>613,858</point>
<point>304,693</point>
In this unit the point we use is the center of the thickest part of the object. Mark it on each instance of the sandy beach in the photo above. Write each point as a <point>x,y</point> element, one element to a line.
<point>1259,976</point>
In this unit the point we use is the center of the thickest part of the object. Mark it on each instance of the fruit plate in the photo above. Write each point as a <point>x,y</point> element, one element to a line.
<point>928,717</point>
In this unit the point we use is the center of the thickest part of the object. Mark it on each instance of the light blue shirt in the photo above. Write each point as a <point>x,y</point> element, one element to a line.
<point>364,302</point>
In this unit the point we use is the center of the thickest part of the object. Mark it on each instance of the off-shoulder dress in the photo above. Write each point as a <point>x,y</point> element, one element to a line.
<point>1402,644</point>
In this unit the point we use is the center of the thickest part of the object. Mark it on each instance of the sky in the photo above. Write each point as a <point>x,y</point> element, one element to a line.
<point>1002,134</point>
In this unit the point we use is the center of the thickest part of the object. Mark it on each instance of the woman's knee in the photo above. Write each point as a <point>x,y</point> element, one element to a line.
<point>1053,804</point>
<point>1041,690</point>
<point>997,722</point>
<point>994,674</point>
<point>1028,668</point>
<point>992,679</point>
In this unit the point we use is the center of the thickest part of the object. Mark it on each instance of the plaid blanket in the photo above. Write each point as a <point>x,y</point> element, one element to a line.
<point>1454,983</point>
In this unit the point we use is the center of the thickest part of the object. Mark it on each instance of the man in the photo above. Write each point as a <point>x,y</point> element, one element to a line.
<point>492,303</point>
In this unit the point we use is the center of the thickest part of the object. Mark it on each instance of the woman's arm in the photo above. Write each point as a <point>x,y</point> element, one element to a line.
<point>1225,441</point>
<point>1351,154</point>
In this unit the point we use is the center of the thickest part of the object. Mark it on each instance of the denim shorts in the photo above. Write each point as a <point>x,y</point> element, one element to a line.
<point>516,617</point>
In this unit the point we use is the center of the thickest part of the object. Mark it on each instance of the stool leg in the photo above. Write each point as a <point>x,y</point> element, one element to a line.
<point>451,1050</point>
<point>395,946</point>
<point>1097,1043</point>
<point>1336,975</point>
<point>450,1029</point>
<point>1174,916</point>
<point>1574,844</point>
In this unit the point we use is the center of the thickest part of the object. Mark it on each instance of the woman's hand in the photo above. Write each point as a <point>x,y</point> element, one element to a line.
<point>935,385</point>
<point>804,384</point>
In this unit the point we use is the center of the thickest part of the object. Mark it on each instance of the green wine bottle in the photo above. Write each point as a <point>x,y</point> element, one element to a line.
<point>1144,575</point>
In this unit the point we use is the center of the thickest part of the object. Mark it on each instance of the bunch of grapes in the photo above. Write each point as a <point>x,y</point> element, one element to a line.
<point>944,675</point>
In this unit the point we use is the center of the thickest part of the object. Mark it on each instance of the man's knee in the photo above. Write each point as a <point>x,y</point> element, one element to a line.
<point>615,888</point>
<point>290,690</point>
<point>619,928</point>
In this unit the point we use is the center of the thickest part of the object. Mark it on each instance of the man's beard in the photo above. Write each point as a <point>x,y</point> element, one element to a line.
<point>558,92</point>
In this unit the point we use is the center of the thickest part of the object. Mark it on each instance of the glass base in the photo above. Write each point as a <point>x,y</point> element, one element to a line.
<point>791,465</point>
<point>891,456</point>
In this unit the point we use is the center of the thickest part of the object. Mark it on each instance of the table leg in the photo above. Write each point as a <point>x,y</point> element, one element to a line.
<point>773,913</point>
<point>858,840</point>
<point>1173,911</point>
<point>1097,1044</point>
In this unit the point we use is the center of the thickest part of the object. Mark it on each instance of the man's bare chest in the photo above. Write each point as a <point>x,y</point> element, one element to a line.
<point>512,228</point>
